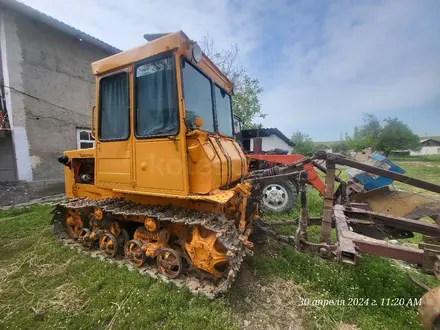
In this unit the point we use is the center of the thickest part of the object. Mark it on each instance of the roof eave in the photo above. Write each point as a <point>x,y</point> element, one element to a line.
<point>48,20</point>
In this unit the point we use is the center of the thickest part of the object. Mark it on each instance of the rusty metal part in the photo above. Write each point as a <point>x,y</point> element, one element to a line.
<point>169,262</point>
<point>245,238</point>
<point>134,253</point>
<point>400,203</point>
<point>437,267</point>
<point>142,234</point>
<point>150,224</point>
<point>109,244</point>
<point>73,223</point>
<point>98,214</point>
<point>328,203</point>
<point>346,248</point>
<point>431,248</point>
<point>304,212</point>
<point>206,253</point>
<point>394,221</point>
<point>225,230</point>
<point>336,159</point>
<point>429,310</point>
<point>152,249</point>
<point>84,237</point>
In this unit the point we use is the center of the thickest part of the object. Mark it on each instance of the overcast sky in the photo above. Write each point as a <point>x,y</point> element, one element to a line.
<point>322,64</point>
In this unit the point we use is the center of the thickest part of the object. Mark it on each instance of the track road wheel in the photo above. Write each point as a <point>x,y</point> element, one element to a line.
<point>109,244</point>
<point>134,253</point>
<point>169,262</point>
<point>429,310</point>
<point>279,196</point>
<point>84,238</point>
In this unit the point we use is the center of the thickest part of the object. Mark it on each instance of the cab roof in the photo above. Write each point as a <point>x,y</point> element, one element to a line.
<point>163,44</point>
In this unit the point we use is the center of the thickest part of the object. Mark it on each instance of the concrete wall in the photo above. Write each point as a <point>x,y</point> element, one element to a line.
<point>7,166</point>
<point>11,59</point>
<point>52,74</point>
<point>272,142</point>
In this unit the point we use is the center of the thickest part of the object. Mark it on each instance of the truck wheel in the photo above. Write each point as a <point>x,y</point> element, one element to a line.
<point>279,196</point>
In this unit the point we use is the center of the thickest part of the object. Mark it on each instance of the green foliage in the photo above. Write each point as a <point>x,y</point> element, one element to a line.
<point>366,135</point>
<point>245,101</point>
<point>303,143</point>
<point>340,147</point>
<point>396,136</point>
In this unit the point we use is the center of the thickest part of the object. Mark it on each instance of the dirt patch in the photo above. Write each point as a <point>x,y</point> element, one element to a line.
<point>271,305</point>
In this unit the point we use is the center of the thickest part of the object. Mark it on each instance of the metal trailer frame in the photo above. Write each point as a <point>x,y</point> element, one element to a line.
<point>344,215</point>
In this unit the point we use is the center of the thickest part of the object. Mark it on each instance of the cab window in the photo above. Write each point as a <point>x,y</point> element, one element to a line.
<point>198,97</point>
<point>114,123</point>
<point>156,98</point>
<point>223,111</point>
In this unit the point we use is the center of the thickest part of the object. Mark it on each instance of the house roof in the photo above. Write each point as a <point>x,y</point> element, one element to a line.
<point>264,132</point>
<point>426,140</point>
<point>56,24</point>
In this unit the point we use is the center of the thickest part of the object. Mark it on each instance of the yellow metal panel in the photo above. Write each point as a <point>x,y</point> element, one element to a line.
<point>159,164</point>
<point>220,168</point>
<point>113,162</point>
<point>202,177</point>
<point>114,170</point>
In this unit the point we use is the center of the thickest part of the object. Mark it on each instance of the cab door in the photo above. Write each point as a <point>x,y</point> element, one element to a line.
<point>113,146</point>
<point>159,144</point>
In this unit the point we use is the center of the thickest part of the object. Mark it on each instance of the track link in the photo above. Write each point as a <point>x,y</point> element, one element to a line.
<point>225,230</point>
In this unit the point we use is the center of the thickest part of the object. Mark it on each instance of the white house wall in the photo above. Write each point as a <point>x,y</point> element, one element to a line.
<point>271,142</point>
<point>434,150</point>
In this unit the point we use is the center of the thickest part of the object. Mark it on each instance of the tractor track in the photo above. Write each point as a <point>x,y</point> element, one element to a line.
<point>225,230</point>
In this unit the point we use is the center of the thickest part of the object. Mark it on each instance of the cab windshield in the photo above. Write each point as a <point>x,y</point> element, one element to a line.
<point>198,97</point>
<point>202,97</point>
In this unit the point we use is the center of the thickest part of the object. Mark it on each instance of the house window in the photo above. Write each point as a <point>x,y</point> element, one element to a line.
<point>84,138</point>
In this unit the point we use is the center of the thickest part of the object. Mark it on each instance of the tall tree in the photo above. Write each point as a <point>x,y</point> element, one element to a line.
<point>303,143</point>
<point>245,102</point>
<point>366,135</point>
<point>397,136</point>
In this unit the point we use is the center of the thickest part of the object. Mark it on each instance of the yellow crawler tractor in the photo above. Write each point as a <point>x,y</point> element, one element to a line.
<point>167,183</point>
<point>165,178</point>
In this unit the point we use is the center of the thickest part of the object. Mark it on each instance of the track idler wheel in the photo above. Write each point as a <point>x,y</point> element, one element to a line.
<point>109,244</point>
<point>134,253</point>
<point>72,224</point>
<point>429,310</point>
<point>169,262</point>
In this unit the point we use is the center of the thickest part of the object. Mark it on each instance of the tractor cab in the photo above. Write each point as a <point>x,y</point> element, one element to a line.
<point>163,123</point>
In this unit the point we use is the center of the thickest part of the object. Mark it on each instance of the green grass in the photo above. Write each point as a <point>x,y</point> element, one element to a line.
<point>425,158</point>
<point>46,285</point>
<point>428,171</point>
